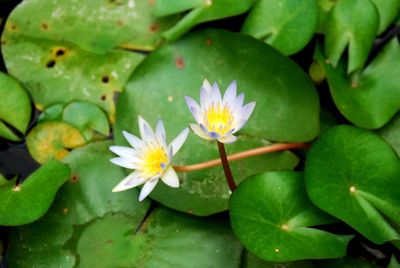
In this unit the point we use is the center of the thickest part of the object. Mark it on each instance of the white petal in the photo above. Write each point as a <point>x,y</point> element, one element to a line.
<point>147,188</point>
<point>123,151</point>
<point>244,115</point>
<point>215,93</point>
<point>146,132</point>
<point>170,178</point>
<point>207,86</point>
<point>131,181</point>
<point>177,143</point>
<point>230,93</point>
<point>199,132</point>
<point>194,108</point>
<point>228,139</point>
<point>134,141</point>
<point>205,97</point>
<point>160,131</point>
<point>238,103</point>
<point>124,162</point>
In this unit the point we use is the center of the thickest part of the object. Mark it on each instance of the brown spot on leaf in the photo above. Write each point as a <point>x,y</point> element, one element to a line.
<point>152,2</point>
<point>44,26</point>
<point>50,64</point>
<point>105,79</point>
<point>3,42</point>
<point>60,52</point>
<point>13,27</point>
<point>120,23</point>
<point>208,42</point>
<point>354,84</point>
<point>109,241</point>
<point>154,27</point>
<point>65,211</point>
<point>74,178</point>
<point>179,63</point>
<point>190,211</point>
<point>103,97</point>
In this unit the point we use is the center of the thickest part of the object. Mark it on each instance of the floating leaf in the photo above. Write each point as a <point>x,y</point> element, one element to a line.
<point>388,11</point>
<point>200,11</point>
<point>372,99</point>
<point>354,175</point>
<point>353,23</point>
<point>166,239</point>
<point>30,200</point>
<point>286,25</point>
<point>271,215</point>
<point>52,113</point>
<point>391,133</point>
<point>86,197</point>
<point>44,65</point>
<point>53,140</point>
<point>88,118</point>
<point>95,26</point>
<point>15,110</point>
<point>286,110</point>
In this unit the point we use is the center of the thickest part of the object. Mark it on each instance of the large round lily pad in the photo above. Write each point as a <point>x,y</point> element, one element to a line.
<point>15,110</point>
<point>84,198</point>
<point>27,202</point>
<point>353,174</point>
<point>286,109</point>
<point>271,215</point>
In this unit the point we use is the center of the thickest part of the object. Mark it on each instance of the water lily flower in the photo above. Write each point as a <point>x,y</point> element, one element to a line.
<point>219,118</point>
<point>149,156</point>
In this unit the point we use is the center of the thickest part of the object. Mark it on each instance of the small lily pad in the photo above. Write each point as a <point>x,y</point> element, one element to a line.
<point>372,98</point>
<point>53,140</point>
<point>353,174</point>
<point>286,25</point>
<point>354,23</point>
<point>271,215</point>
<point>15,110</point>
<point>88,118</point>
<point>27,202</point>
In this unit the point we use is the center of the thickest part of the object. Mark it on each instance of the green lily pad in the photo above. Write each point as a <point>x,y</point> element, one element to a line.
<point>271,215</point>
<point>57,72</point>
<point>252,261</point>
<point>388,11</point>
<point>84,198</point>
<point>177,70</point>
<point>30,200</point>
<point>198,12</point>
<point>391,133</point>
<point>52,113</point>
<point>372,99</point>
<point>354,23</point>
<point>166,239</point>
<point>353,174</point>
<point>95,26</point>
<point>15,110</point>
<point>286,25</point>
<point>53,140</point>
<point>88,118</point>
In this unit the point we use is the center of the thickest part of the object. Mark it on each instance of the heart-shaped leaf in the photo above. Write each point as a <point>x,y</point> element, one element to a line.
<point>353,23</point>
<point>95,26</point>
<point>88,118</point>
<point>286,25</point>
<point>271,215</point>
<point>44,65</point>
<point>15,109</point>
<point>353,174</point>
<point>53,140</point>
<point>177,70</point>
<point>166,239</point>
<point>200,11</point>
<point>27,202</point>
<point>84,198</point>
<point>372,99</point>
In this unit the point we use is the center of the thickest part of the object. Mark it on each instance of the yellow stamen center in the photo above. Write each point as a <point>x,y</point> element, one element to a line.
<point>155,161</point>
<point>218,119</point>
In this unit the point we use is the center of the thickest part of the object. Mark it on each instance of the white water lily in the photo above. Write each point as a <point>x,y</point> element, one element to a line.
<point>219,118</point>
<point>149,156</point>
